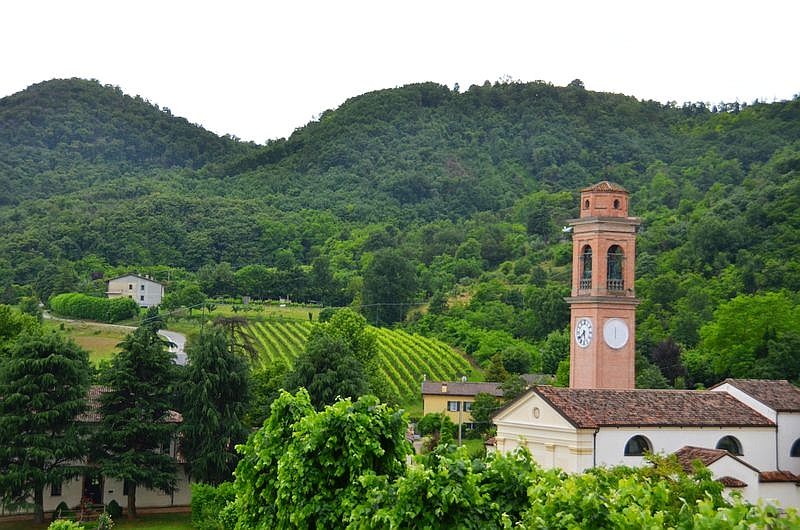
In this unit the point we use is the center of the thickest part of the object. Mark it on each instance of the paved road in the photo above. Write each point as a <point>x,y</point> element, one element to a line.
<point>178,341</point>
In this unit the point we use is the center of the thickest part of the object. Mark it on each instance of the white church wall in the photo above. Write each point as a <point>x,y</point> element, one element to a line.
<point>788,434</point>
<point>666,440</point>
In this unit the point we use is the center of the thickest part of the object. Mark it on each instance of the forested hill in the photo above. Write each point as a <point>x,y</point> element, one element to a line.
<point>67,135</point>
<point>442,192</point>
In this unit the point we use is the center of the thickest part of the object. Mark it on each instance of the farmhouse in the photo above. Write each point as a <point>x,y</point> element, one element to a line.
<point>747,432</point>
<point>455,398</point>
<point>144,290</point>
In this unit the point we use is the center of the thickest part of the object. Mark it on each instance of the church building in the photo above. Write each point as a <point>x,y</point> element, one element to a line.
<point>747,432</point>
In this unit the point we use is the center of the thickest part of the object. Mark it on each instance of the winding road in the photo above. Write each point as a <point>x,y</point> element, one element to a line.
<point>177,341</point>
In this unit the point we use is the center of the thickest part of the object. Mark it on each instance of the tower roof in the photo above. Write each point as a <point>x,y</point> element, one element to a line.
<point>605,186</point>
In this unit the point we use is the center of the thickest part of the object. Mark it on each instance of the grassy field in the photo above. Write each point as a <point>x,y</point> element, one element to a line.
<point>154,521</point>
<point>100,340</point>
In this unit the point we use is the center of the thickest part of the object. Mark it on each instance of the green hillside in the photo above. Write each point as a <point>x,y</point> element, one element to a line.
<point>404,358</point>
<point>456,198</point>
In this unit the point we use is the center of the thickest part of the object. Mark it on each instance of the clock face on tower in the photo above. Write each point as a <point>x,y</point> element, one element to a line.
<point>615,333</point>
<point>583,332</point>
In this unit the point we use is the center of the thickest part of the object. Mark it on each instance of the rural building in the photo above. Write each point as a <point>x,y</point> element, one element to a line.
<point>747,432</point>
<point>145,291</point>
<point>102,490</point>
<point>455,398</point>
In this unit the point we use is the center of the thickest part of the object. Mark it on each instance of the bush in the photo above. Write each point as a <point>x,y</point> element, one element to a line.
<point>208,505</point>
<point>63,524</point>
<point>114,509</point>
<point>79,305</point>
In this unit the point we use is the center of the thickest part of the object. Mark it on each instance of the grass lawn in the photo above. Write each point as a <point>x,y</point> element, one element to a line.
<point>100,340</point>
<point>154,521</point>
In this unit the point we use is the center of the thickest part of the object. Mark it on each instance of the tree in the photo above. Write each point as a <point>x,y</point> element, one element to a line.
<point>735,348</point>
<point>390,285</point>
<point>44,383</point>
<point>214,397</point>
<point>483,410</point>
<point>135,432</point>
<point>327,369</point>
<point>333,451</point>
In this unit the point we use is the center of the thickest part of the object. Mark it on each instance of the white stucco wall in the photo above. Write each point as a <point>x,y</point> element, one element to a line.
<point>756,442</point>
<point>788,433</point>
<point>145,292</point>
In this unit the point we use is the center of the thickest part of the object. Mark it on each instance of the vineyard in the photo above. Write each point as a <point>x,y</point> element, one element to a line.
<point>404,358</point>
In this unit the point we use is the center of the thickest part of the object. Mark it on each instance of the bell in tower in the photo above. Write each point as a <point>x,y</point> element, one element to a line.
<point>602,301</point>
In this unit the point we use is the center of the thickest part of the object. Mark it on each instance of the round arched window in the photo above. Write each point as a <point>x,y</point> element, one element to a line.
<point>616,204</point>
<point>730,444</point>
<point>637,446</point>
<point>586,204</point>
<point>795,450</point>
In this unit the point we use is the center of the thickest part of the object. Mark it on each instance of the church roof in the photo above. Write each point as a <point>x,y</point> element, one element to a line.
<point>778,476</point>
<point>688,454</point>
<point>593,408</point>
<point>779,395</point>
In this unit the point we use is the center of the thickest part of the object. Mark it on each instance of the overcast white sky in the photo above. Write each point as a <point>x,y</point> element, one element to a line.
<point>259,70</point>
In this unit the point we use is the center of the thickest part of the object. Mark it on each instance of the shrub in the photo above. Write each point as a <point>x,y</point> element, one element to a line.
<point>63,524</point>
<point>208,504</point>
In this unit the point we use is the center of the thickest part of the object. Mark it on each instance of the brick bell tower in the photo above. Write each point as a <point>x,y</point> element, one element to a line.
<point>603,302</point>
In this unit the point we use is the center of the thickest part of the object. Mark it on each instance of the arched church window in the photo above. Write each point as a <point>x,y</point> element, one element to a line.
<point>637,446</point>
<point>616,204</point>
<point>586,204</point>
<point>795,450</point>
<point>615,259</point>
<point>730,444</point>
<point>586,268</point>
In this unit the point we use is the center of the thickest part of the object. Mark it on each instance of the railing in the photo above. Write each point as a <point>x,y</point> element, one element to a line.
<point>585,284</point>
<point>615,285</point>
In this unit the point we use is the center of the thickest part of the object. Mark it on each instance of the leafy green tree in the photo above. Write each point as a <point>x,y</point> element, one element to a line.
<point>44,383</point>
<point>214,398</point>
<point>133,440</point>
<point>483,410</point>
<point>13,322</point>
<point>554,350</point>
<point>266,382</point>
<point>737,337</point>
<point>332,450</point>
<point>389,288</point>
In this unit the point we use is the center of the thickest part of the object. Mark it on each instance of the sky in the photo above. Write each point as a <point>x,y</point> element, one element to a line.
<point>258,70</point>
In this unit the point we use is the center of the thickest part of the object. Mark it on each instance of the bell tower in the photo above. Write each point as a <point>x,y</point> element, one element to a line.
<point>603,302</point>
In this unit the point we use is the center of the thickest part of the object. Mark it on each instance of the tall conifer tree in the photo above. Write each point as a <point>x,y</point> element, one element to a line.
<point>44,381</point>
<point>137,425</point>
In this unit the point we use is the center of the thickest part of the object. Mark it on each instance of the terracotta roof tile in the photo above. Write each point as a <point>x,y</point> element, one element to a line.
<point>592,408</point>
<point>605,186</point>
<point>92,413</point>
<point>688,454</point>
<point>457,388</point>
<point>732,482</point>
<point>778,476</point>
<point>779,395</point>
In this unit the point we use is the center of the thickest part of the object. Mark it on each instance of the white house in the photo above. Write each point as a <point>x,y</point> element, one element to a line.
<point>145,291</point>
<point>574,429</point>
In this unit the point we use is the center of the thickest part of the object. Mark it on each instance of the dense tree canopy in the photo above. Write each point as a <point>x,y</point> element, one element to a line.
<point>468,189</point>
